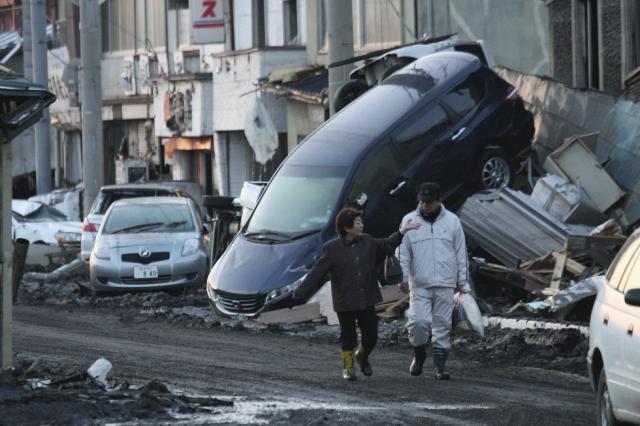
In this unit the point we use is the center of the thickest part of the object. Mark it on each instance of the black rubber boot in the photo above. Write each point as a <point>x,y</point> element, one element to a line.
<point>362,356</point>
<point>419,355</point>
<point>439,360</point>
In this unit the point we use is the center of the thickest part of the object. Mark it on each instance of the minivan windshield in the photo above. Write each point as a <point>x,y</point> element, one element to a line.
<point>142,218</point>
<point>298,201</point>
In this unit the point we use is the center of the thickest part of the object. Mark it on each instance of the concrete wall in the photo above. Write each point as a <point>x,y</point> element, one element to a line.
<point>230,168</point>
<point>561,112</point>
<point>610,46</point>
<point>514,31</point>
<point>302,120</point>
<point>237,74</point>
<point>561,44</point>
<point>201,107</point>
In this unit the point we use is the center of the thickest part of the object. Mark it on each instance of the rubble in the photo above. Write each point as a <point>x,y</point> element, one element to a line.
<point>30,392</point>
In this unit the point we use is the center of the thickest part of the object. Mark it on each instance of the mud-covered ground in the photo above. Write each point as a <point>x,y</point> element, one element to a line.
<point>174,361</point>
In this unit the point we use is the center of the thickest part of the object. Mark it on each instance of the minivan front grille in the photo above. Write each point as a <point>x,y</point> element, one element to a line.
<point>153,257</point>
<point>240,304</point>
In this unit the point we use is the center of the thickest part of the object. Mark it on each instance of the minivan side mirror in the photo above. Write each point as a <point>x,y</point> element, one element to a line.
<point>360,200</point>
<point>632,297</point>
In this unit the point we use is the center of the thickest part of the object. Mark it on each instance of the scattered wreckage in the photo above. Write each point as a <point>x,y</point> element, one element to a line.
<point>535,255</point>
<point>446,118</point>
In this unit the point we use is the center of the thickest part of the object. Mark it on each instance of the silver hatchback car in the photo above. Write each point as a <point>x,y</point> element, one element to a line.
<point>150,244</point>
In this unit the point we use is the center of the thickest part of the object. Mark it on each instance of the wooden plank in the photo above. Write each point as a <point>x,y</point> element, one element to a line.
<point>302,313</point>
<point>585,242</point>
<point>573,266</point>
<point>396,310</point>
<point>561,261</point>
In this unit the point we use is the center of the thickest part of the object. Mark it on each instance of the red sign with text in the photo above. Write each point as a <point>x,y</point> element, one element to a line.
<point>207,21</point>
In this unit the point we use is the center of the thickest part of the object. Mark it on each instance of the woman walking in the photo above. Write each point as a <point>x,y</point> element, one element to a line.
<point>350,261</point>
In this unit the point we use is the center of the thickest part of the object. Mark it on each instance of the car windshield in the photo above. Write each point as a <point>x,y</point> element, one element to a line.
<point>43,213</point>
<point>298,201</point>
<point>143,218</point>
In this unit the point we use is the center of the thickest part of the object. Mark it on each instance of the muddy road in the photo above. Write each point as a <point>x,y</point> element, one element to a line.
<point>282,378</point>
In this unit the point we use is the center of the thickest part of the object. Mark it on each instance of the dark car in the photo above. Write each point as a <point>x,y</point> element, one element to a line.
<point>446,118</point>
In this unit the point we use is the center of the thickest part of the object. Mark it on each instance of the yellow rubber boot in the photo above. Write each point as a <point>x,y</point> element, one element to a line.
<point>362,356</point>
<point>348,370</point>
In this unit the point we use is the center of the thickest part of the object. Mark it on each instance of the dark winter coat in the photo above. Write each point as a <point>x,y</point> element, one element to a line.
<point>352,270</point>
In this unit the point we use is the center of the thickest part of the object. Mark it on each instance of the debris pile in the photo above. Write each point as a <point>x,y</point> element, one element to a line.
<point>90,396</point>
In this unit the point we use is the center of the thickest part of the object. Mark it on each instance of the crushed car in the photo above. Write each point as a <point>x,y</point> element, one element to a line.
<point>446,117</point>
<point>378,65</point>
<point>38,223</point>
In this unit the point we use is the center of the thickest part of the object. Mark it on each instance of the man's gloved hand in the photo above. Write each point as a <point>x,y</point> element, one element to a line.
<point>404,287</point>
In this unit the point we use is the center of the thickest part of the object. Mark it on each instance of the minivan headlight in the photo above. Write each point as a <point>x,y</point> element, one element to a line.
<point>102,252</point>
<point>283,291</point>
<point>190,246</point>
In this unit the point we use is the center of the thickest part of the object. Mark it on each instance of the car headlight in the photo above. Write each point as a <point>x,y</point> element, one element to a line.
<point>190,246</point>
<point>102,252</point>
<point>283,291</point>
<point>67,237</point>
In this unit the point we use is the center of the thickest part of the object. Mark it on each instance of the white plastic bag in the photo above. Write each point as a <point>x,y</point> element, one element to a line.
<point>260,131</point>
<point>470,311</point>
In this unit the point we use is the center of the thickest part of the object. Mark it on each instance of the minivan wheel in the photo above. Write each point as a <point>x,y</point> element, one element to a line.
<point>494,170</point>
<point>603,401</point>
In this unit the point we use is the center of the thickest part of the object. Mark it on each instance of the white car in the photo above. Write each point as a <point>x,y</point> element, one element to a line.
<point>614,344</point>
<point>42,224</point>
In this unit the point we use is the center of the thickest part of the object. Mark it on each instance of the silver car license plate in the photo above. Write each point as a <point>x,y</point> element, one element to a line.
<point>145,272</point>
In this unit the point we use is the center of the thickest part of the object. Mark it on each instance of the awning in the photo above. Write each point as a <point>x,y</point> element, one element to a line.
<point>171,145</point>
<point>307,85</point>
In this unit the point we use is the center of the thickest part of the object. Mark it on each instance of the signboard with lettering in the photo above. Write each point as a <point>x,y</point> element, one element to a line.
<point>207,21</point>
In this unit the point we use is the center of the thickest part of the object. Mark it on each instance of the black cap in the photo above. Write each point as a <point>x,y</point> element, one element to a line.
<point>429,191</point>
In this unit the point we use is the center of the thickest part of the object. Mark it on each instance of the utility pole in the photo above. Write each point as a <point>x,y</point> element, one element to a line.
<point>340,34</point>
<point>91,101</point>
<point>40,74</point>
<point>6,291</point>
<point>27,55</point>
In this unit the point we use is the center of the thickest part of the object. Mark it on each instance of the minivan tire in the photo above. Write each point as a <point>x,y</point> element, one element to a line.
<point>604,409</point>
<point>348,92</point>
<point>493,170</point>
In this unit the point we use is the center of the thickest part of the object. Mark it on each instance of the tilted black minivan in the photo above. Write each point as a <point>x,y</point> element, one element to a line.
<point>444,118</point>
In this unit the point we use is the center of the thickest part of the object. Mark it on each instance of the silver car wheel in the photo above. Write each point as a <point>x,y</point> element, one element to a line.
<point>495,173</point>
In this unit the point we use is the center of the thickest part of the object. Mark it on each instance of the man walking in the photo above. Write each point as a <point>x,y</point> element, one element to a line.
<point>434,263</point>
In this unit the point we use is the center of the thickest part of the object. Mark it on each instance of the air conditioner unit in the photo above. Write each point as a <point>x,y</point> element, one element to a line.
<point>131,171</point>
